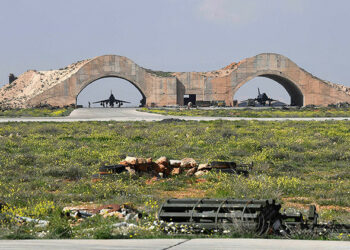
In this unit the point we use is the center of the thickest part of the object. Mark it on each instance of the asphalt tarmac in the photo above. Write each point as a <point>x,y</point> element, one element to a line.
<point>131,114</point>
<point>176,244</point>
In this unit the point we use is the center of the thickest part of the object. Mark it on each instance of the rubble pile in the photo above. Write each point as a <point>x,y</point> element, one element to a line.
<point>124,211</point>
<point>164,167</point>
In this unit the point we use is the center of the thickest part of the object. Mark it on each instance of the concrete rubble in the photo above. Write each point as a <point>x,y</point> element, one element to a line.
<point>163,167</point>
<point>38,223</point>
<point>125,211</point>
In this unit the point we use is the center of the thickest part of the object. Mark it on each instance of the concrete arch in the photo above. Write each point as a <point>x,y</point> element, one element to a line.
<point>303,87</point>
<point>142,102</point>
<point>61,87</point>
<point>110,66</point>
<point>295,93</point>
<point>154,89</point>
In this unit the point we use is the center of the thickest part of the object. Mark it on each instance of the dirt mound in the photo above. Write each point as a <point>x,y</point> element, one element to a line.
<point>31,83</point>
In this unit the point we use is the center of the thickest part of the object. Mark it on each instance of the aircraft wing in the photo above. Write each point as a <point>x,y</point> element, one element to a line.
<point>121,101</point>
<point>107,100</point>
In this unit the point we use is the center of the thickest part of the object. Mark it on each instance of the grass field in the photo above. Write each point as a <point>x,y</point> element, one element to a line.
<point>46,166</point>
<point>254,113</point>
<point>36,112</point>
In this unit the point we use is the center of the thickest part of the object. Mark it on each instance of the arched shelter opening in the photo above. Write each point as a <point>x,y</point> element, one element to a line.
<point>280,89</point>
<point>102,88</point>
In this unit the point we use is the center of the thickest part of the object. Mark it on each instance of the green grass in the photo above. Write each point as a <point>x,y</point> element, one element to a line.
<point>46,166</point>
<point>253,113</point>
<point>36,112</point>
<point>160,73</point>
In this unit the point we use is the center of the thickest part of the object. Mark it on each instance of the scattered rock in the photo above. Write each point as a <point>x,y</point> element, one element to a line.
<point>39,223</point>
<point>141,161</point>
<point>168,170</point>
<point>130,170</point>
<point>175,163</point>
<point>163,161</point>
<point>203,166</point>
<point>191,171</point>
<point>115,214</point>
<point>164,167</point>
<point>188,163</point>
<point>125,211</point>
<point>199,173</point>
<point>132,216</point>
<point>124,224</point>
<point>41,234</point>
<point>109,207</point>
<point>131,160</point>
<point>175,171</point>
<point>160,168</point>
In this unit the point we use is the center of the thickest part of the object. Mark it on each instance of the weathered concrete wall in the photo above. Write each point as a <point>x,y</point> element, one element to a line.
<point>168,89</point>
<point>303,87</point>
<point>154,89</point>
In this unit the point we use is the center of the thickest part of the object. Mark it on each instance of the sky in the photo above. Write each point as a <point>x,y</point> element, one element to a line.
<point>175,35</point>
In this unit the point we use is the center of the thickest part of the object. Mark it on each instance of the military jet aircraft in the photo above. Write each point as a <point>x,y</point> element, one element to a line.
<point>110,101</point>
<point>263,98</point>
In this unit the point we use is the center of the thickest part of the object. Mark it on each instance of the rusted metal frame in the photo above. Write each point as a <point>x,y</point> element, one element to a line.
<point>210,225</point>
<point>215,201</point>
<point>227,205</point>
<point>194,207</point>
<point>218,210</point>
<point>245,207</point>
<point>184,215</point>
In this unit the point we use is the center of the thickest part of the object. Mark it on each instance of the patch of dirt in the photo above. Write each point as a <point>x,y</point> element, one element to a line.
<point>295,198</point>
<point>153,180</point>
<point>87,207</point>
<point>200,180</point>
<point>187,193</point>
<point>331,207</point>
<point>297,205</point>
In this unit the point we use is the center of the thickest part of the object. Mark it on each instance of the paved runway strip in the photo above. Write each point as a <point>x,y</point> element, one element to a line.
<point>176,244</point>
<point>131,114</point>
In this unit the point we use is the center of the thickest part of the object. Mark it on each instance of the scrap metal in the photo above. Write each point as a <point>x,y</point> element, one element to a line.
<point>254,216</point>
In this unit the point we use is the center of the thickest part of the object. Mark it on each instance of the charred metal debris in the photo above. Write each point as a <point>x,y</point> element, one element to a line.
<point>259,217</point>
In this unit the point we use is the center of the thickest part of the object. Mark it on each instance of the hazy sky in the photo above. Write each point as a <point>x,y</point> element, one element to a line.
<point>176,35</point>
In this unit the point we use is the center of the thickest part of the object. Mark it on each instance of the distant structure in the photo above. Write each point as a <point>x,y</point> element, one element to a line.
<point>61,87</point>
<point>110,101</point>
<point>12,78</point>
<point>262,99</point>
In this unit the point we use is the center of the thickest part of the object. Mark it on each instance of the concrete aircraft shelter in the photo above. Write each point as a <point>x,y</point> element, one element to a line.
<point>61,87</point>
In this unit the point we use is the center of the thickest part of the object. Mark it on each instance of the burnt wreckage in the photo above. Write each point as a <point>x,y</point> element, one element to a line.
<point>243,215</point>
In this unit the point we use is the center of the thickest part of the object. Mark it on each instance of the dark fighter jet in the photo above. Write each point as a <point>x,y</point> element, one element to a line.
<point>263,98</point>
<point>111,101</point>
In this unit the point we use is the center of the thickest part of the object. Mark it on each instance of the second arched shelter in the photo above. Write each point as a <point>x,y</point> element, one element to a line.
<point>61,87</point>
